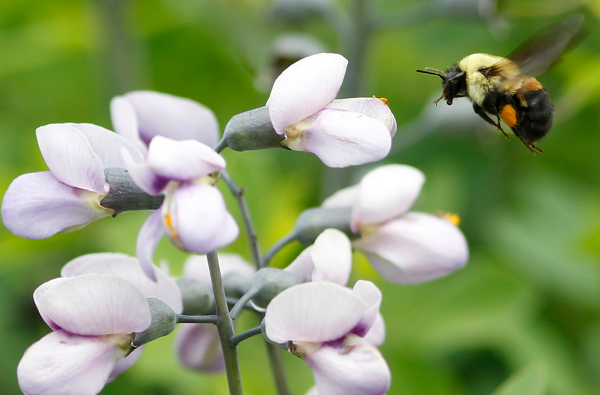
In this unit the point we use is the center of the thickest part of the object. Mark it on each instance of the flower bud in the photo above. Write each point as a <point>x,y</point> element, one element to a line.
<point>197,299</point>
<point>312,222</point>
<point>251,130</point>
<point>268,282</point>
<point>125,195</point>
<point>163,322</point>
<point>235,284</point>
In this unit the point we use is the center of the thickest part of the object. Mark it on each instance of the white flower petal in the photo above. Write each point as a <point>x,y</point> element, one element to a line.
<point>304,88</point>
<point>65,364</point>
<point>415,248</point>
<point>198,347</point>
<point>93,305</point>
<point>371,107</point>
<point>70,157</point>
<point>354,368</point>
<point>332,257</point>
<point>345,197</point>
<point>124,120</point>
<point>385,193</point>
<point>341,138</point>
<point>313,312</point>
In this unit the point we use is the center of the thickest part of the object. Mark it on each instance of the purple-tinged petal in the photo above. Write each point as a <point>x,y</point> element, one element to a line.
<point>354,368</point>
<point>183,160</point>
<point>199,220</point>
<point>128,268</point>
<point>196,267</point>
<point>304,88</point>
<point>65,364</point>
<point>125,363</point>
<point>371,107</point>
<point>332,257</point>
<point>385,193</point>
<point>150,234</point>
<point>70,157</point>
<point>125,122</point>
<point>376,334</point>
<point>107,145</point>
<point>93,305</point>
<point>415,248</point>
<point>161,114</point>
<point>143,176</point>
<point>313,312</point>
<point>343,198</point>
<point>371,295</point>
<point>303,265</point>
<point>198,347</point>
<point>37,206</point>
<point>312,391</point>
<point>340,138</point>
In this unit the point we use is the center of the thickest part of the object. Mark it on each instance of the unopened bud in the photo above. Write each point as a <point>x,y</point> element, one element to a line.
<point>197,299</point>
<point>251,130</point>
<point>163,322</point>
<point>312,222</point>
<point>268,282</point>
<point>235,284</point>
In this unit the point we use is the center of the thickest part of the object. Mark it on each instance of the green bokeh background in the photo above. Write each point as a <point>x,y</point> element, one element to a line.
<point>527,303</point>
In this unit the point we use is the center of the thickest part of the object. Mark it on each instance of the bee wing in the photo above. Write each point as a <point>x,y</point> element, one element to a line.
<point>540,51</point>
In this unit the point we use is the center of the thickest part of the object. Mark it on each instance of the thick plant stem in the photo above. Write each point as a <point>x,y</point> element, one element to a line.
<point>225,327</point>
<point>252,237</point>
<point>277,368</point>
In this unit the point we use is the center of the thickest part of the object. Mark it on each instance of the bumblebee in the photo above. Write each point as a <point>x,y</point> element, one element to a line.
<point>506,88</point>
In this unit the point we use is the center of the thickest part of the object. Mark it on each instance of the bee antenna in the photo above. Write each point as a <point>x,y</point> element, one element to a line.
<point>439,73</point>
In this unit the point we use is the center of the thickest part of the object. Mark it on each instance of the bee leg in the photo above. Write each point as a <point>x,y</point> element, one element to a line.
<point>531,147</point>
<point>481,112</point>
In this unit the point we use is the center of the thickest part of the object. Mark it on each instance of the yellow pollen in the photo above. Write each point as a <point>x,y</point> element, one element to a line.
<point>383,99</point>
<point>169,223</point>
<point>454,218</point>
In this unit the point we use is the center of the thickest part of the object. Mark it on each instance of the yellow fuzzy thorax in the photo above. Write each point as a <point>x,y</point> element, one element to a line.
<point>478,85</point>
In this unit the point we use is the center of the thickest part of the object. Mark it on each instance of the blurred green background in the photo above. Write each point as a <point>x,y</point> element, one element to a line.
<point>528,302</point>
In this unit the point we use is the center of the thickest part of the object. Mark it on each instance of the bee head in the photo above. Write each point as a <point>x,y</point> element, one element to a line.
<point>454,83</point>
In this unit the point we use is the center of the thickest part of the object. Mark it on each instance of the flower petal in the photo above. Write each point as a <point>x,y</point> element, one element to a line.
<point>304,88</point>
<point>371,107</point>
<point>200,220</point>
<point>385,193</point>
<point>332,257</point>
<point>143,176</point>
<point>107,145</point>
<point>37,206</point>
<point>150,234</point>
<point>345,197</point>
<point>161,114</point>
<point>128,268</point>
<point>415,248</point>
<point>182,160</point>
<point>371,295</point>
<point>341,138</point>
<point>303,265</point>
<point>125,363</point>
<point>376,334</point>
<point>313,312</point>
<point>67,364</point>
<point>124,120</point>
<point>70,157</point>
<point>196,267</point>
<point>93,305</point>
<point>198,347</point>
<point>355,368</point>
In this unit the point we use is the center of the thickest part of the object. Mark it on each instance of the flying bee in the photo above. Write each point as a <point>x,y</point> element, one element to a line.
<point>505,88</point>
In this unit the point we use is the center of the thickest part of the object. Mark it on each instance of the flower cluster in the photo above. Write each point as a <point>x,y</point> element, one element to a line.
<point>165,158</point>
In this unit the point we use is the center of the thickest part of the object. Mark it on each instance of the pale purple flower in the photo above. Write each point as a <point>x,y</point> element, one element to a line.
<point>341,133</point>
<point>324,324</point>
<point>140,116</point>
<point>93,311</point>
<point>404,247</point>
<point>193,214</point>
<point>198,345</point>
<point>66,198</point>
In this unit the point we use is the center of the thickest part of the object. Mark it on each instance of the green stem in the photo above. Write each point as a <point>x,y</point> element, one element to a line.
<point>225,327</point>
<point>287,239</point>
<point>197,319</point>
<point>252,237</point>
<point>237,339</point>
<point>276,362</point>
